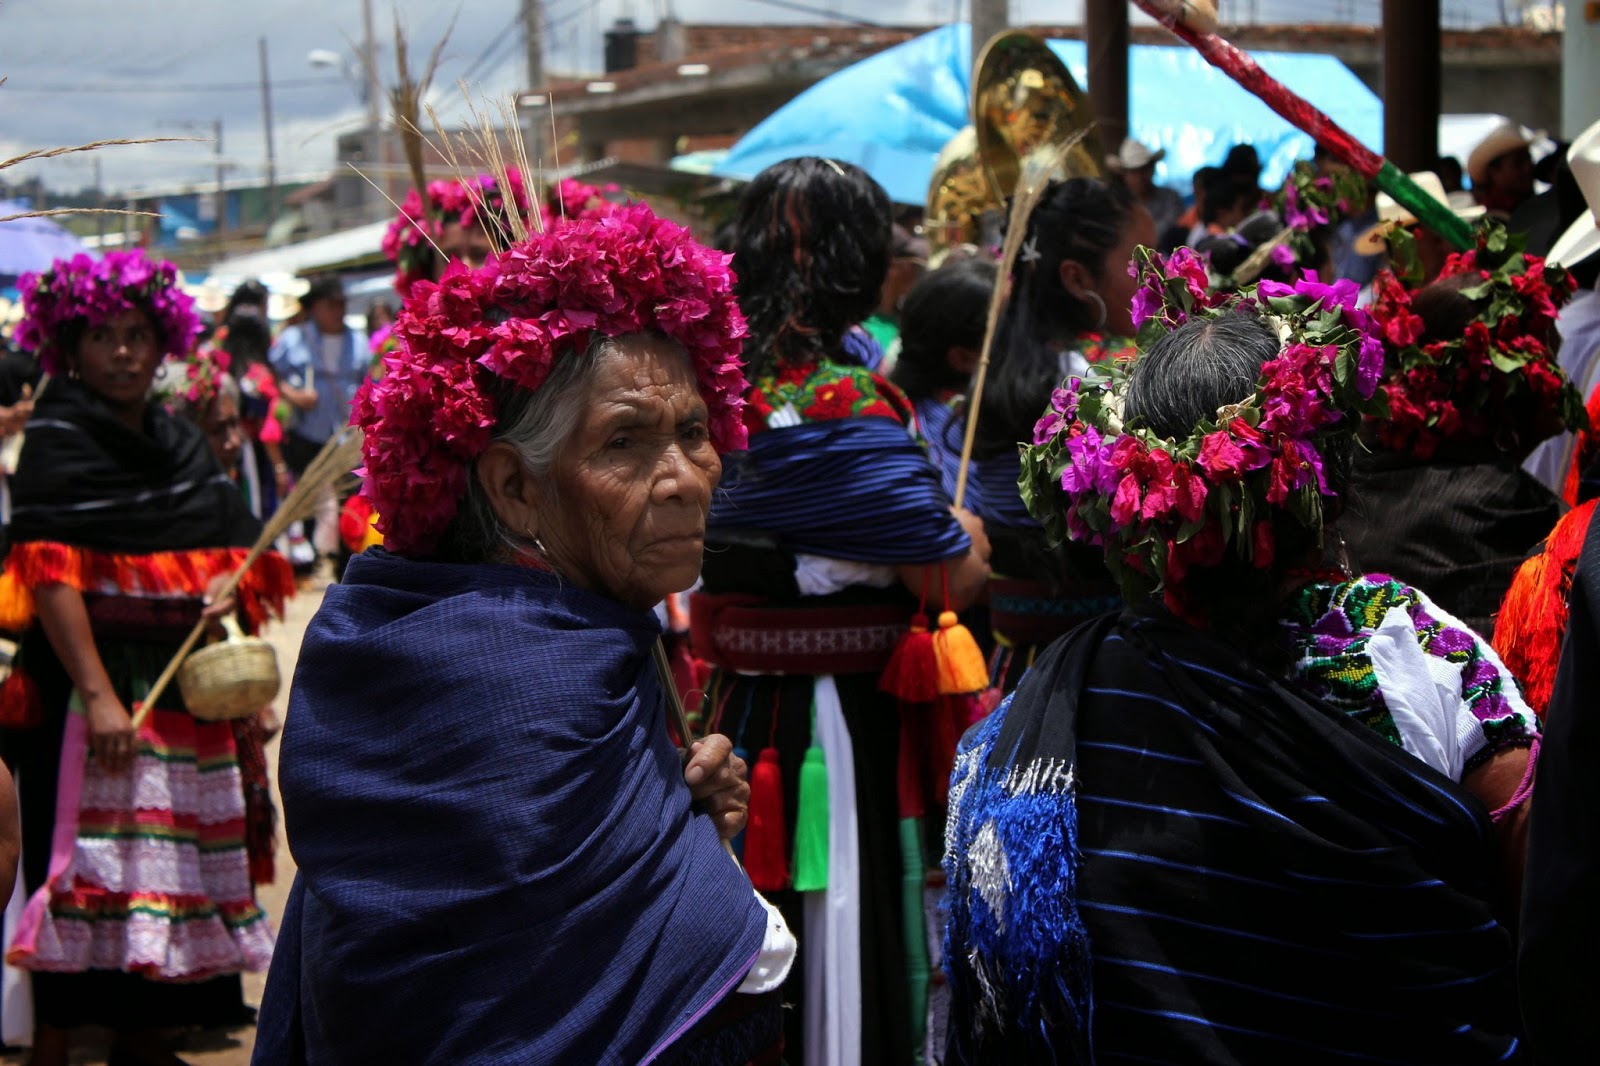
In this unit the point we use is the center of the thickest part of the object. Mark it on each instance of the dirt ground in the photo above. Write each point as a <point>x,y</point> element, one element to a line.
<point>234,1048</point>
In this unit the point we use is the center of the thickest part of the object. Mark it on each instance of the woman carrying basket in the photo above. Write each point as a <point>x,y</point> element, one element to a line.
<point>124,525</point>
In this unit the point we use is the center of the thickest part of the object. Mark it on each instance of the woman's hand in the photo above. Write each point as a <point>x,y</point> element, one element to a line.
<point>718,781</point>
<point>111,737</point>
<point>217,605</point>
<point>13,418</point>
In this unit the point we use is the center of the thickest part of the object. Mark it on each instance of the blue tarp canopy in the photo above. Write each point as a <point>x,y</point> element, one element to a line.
<point>891,113</point>
<point>32,244</point>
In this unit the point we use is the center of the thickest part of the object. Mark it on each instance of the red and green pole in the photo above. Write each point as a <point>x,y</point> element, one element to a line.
<point>1190,21</point>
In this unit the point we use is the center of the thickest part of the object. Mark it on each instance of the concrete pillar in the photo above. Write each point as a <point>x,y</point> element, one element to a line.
<point>1105,30</point>
<point>1412,67</point>
<point>1580,69</point>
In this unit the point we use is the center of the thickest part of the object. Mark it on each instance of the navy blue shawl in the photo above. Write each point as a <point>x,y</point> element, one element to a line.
<point>498,861</point>
<point>860,489</point>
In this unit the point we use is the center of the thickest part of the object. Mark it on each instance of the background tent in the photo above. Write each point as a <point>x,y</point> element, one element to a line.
<point>28,245</point>
<point>891,113</point>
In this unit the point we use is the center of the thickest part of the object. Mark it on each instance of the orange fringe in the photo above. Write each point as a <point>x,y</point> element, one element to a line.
<point>1533,617</point>
<point>269,582</point>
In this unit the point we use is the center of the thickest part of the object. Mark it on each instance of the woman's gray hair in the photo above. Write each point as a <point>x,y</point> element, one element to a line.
<point>537,424</point>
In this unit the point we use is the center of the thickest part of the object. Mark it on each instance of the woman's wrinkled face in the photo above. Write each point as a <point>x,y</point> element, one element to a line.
<point>625,511</point>
<point>118,359</point>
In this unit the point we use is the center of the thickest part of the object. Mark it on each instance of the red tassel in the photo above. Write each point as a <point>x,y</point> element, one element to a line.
<point>20,707</point>
<point>1533,617</point>
<point>766,846</point>
<point>912,675</point>
<point>908,766</point>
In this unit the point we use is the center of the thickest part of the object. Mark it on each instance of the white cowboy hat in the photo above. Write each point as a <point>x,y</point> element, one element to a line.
<point>1133,155</point>
<point>1392,214</point>
<point>1582,238</point>
<point>1508,136</point>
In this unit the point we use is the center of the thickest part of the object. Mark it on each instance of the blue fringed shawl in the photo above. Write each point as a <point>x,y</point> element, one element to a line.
<point>498,860</point>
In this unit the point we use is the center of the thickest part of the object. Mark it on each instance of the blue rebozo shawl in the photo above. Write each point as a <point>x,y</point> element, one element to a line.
<point>860,489</point>
<point>497,857</point>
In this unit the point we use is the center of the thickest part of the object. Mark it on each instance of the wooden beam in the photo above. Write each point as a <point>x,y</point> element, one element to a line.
<point>1412,75</point>
<point>1106,35</point>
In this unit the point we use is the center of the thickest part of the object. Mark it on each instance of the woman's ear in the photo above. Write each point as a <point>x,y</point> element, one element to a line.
<point>962,360</point>
<point>1076,279</point>
<point>512,492</point>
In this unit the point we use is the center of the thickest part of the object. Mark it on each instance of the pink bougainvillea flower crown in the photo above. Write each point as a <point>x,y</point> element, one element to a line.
<point>1499,384</point>
<point>409,240</point>
<point>1159,505</point>
<point>191,381</point>
<point>431,414</point>
<point>98,290</point>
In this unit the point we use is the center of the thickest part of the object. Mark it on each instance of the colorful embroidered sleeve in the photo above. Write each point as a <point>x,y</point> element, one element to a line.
<point>1385,654</point>
<point>795,394</point>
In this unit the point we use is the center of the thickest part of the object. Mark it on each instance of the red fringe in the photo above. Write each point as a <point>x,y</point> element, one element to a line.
<point>269,582</point>
<point>912,674</point>
<point>1533,617</point>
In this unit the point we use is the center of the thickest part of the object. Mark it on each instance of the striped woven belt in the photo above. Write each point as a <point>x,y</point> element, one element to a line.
<point>1026,613</point>
<point>742,633</point>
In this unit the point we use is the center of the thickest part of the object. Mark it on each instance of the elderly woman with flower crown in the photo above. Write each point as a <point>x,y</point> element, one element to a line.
<point>1257,816</point>
<point>499,860</point>
<point>140,913</point>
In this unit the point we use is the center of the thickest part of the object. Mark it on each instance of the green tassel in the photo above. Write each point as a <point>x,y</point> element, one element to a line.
<point>811,824</point>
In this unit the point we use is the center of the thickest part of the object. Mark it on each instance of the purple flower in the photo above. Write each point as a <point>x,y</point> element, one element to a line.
<point>1342,294</point>
<point>1146,304</point>
<point>1369,365</point>
<point>1301,219</point>
<point>1089,469</point>
<point>1272,290</point>
<point>1283,256</point>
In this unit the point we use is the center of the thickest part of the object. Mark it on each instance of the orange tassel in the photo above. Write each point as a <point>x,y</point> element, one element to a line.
<point>766,850</point>
<point>961,665</point>
<point>1533,617</point>
<point>912,675</point>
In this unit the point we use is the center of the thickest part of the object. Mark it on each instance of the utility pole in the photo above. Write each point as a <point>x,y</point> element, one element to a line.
<point>266,121</point>
<point>989,17</point>
<point>1105,31</point>
<point>1411,82</point>
<point>374,100</point>
<point>534,118</point>
<point>222,192</point>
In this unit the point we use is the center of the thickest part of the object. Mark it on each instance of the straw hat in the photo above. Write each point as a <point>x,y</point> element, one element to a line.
<point>1133,155</point>
<point>1582,238</point>
<point>1392,214</point>
<point>1506,137</point>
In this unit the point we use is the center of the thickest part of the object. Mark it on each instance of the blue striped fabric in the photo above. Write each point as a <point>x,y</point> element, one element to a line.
<point>999,499</point>
<point>1259,878</point>
<point>941,432</point>
<point>859,489</point>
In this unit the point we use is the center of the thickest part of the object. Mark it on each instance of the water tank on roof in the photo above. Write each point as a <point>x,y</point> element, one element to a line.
<point>622,46</point>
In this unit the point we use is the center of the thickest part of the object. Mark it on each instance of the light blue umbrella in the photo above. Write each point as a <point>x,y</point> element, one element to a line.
<point>892,112</point>
<point>28,245</point>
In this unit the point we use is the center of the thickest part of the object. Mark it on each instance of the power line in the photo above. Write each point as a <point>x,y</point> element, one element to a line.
<point>197,87</point>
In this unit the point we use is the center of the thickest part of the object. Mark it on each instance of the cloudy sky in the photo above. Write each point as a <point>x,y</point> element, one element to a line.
<point>81,70</point>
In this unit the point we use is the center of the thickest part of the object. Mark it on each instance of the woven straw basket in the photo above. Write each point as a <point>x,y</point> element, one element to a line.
<point>234,678</point>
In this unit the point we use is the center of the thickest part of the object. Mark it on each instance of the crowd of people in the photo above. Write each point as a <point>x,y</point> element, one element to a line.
<point>683,691</point>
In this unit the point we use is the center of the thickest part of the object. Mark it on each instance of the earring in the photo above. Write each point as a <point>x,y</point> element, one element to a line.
<point>1100,306</point>
<point>538,545</point>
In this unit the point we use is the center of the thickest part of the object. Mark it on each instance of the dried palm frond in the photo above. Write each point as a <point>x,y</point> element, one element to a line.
<point>92,146</point>
<point>406,98</point>
<point>1030,190</point>
<point>77,211</point>
<point>332,464</point>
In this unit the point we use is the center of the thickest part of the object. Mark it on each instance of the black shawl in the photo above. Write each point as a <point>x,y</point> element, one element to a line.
<point>86,479</point>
